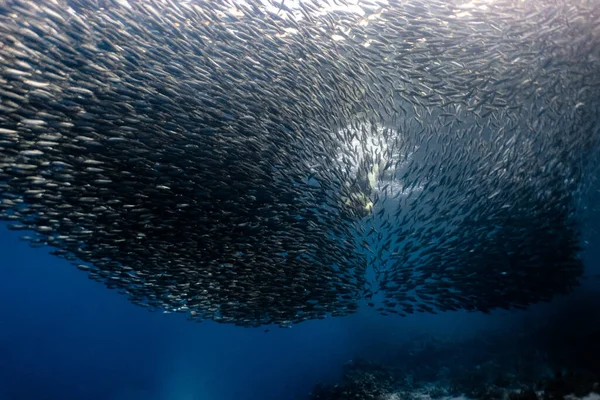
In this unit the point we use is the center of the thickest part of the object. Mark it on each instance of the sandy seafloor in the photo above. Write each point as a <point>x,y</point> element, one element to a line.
<point>63,336</point>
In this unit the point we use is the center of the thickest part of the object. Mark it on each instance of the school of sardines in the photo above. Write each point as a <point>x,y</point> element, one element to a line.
<point>270,162</point>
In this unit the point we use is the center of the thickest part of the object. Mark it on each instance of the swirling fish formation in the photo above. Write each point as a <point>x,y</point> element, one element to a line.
<point>272,162</point>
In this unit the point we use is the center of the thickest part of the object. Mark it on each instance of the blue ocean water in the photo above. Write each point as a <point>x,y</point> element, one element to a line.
<point>63,336</point>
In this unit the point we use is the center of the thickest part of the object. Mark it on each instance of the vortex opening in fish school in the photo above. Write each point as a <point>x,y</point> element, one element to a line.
<point>270,163</point>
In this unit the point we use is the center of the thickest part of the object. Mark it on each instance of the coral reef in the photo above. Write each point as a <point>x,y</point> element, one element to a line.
<point>434,368</point>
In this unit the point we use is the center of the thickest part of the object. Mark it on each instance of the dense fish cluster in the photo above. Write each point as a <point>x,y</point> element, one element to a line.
<point>259,162</point>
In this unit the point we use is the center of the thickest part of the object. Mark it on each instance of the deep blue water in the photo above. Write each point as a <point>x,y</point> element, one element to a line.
<point>63,336</point>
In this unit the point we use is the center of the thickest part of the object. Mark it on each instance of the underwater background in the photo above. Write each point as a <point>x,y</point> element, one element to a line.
<point>384,201</point>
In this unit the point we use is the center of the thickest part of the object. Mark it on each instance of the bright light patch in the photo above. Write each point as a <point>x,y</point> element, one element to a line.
<point>372,149</point>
